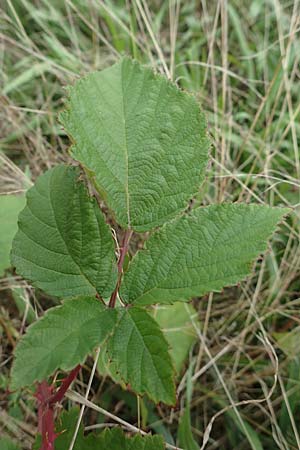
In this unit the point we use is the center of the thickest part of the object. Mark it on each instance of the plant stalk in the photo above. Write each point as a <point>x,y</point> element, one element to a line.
<point>46,407</point>
<point>58,396</point>
<point>123,251</point>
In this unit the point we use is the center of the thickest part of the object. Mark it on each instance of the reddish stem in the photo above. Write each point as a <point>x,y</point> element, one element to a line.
<point>46,407</point>
<point>46,425</point>
<point>58,396</point>
<point>124,250</point>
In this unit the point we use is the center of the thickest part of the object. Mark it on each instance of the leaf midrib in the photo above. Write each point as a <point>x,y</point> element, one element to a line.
<point>126,152</point>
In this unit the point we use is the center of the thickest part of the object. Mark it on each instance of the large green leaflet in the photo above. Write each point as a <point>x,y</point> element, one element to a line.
<point>63,244</point>
<point>175,323</point>
<point>203,251</point>
<point>140,352</point>
<point>10,206</point>
<point>61,339</point>
<point>143,139</point>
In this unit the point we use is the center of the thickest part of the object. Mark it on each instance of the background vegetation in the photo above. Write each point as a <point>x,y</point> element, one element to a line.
<point>241,59</point>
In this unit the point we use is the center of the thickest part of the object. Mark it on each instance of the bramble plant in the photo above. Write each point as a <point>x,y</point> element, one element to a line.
<point>142,148</point>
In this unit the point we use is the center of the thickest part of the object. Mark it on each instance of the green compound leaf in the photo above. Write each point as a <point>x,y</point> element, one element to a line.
<point>204,251</point>
<point>144,140</point>
<point>139,350</point>
<point>61,339</point>
<point>63,244</point>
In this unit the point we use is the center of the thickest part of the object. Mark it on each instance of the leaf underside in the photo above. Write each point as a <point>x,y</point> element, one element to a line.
<point>144,140</point>
<point>63,245</point>
<point>206,250</point>
<point>61,339</point>
<point>140,352</point>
